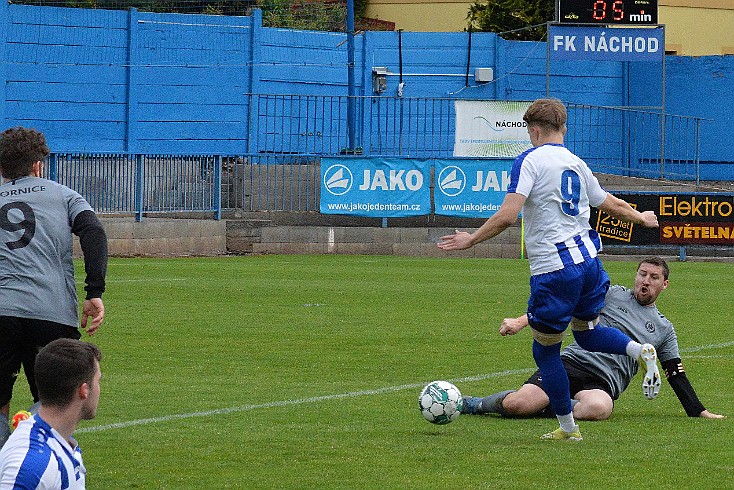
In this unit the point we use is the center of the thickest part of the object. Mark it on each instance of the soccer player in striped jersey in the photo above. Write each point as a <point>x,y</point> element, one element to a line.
<point>555,189</point>
<point>597,379</point>
<point>42,452</point>
<point>38,299</point>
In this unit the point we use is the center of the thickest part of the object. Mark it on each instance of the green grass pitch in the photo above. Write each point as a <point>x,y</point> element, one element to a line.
<point>304,372</point>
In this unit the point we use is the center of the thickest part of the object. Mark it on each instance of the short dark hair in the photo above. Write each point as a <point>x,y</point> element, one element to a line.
<point>657,261</point>
<point>61,367</point>
<point>20,148</point>
<point>546,113</point>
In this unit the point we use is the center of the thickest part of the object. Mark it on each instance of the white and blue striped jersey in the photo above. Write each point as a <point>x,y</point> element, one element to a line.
<point>560,189</point>
<point>37,457</point>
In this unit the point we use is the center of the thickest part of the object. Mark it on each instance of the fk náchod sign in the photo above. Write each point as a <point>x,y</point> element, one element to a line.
<point>606,44</point>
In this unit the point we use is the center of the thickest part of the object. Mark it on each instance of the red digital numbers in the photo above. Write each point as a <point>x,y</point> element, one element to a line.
<point>618,10</point>
<point>599,10</point>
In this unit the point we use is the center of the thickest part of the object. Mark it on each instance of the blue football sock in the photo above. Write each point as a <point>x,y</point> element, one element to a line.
<point>602,339</point>
<point>555,378</point>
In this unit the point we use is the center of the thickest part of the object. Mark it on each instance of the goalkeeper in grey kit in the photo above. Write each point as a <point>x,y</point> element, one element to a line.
<point>597,379</point>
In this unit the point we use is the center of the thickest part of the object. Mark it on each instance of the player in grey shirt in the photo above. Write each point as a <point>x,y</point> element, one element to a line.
<point>38,298</point>
<point>597,379</point>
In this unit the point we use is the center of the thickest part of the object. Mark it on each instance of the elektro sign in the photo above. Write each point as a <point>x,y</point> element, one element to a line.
<point>635,12</point>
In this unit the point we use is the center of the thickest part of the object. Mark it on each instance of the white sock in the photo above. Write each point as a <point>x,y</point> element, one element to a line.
<point>567,422</point>
<point>634,349</point>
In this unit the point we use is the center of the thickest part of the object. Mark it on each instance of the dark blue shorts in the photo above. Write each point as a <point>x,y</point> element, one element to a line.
<point>577,290</point>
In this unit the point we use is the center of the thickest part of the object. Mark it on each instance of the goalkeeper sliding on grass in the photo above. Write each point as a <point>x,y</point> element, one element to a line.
<point>598,379</point>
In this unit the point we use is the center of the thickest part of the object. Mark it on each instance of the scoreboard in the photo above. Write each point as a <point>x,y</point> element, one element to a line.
<point>609,12</point>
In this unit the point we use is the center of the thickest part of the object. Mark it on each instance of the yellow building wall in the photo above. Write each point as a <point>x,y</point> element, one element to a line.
<point>421,15</point>
<point>692,27</point>
<point>697,28</point>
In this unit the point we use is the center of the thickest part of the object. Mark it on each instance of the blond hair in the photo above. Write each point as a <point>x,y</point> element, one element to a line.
<point>548,114</point>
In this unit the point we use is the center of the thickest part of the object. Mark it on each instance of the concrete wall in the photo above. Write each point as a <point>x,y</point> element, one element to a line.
<point>126,81</point>
<point>181,237</point>
<point>314,233</point>
<point>404,241</point>
<point>163,237</point>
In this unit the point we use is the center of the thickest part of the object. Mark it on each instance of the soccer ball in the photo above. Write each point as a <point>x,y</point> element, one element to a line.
<point>440,402</point>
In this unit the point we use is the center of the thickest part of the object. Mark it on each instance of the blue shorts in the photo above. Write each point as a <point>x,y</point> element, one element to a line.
<point>577,290</point>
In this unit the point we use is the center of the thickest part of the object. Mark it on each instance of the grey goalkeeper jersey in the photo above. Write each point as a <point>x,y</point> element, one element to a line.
<point>36,261</point>
<point>645,324</point>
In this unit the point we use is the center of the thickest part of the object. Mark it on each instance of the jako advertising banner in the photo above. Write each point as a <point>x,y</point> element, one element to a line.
<point>400,187</point>
<point>376,187</point>
<point>471,188</point>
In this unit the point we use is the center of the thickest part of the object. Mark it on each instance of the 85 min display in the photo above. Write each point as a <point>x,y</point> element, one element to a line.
<point>641,12</point>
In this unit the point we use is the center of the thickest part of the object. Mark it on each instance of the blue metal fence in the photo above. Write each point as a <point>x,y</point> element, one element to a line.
<point>290,133</point>
<point>616,140</point>
<point>137,184</point>
<point>636,143</point>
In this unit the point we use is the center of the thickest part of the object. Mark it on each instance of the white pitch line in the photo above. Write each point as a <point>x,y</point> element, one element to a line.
<point>730,356</point>
<point>284,403</point>
<point>152,279</point>
<point>315,399</point>
<point>704,347</point>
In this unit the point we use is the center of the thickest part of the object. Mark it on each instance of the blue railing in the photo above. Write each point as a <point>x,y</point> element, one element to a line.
<point>290,133</point>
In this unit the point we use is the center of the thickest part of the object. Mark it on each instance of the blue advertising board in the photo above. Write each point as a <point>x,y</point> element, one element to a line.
<point>376,187</point>
<point>471,188</point>
<point>600,43</point>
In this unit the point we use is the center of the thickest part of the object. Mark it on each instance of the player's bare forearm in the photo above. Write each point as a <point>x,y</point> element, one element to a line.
<point>510,326</point>
<point>496,224</point>
<point>621,209</point>
<point>462,240</point>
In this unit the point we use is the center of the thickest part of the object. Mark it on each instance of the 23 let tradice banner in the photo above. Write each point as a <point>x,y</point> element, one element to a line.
<point>702,219</point>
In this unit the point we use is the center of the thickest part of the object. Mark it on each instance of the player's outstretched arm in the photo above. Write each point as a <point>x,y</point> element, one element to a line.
<point>676,375</point>
<point>621,209</point>
<point>496,224</point>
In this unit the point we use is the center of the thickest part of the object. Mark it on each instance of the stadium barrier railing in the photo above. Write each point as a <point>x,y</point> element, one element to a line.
<point>290,133</point>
